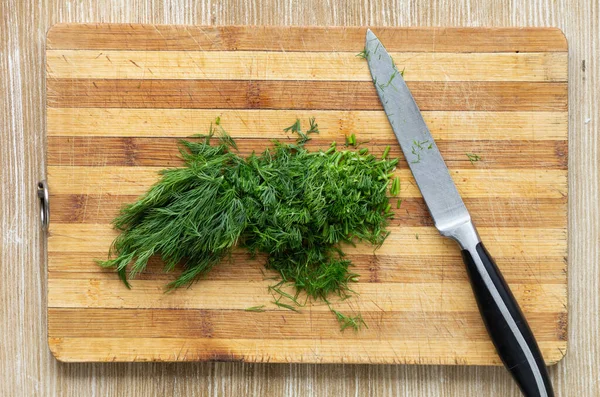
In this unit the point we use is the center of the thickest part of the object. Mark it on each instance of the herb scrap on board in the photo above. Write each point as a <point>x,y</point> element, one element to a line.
<point>473,157</point>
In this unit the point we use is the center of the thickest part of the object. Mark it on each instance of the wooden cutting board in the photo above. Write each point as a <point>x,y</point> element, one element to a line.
<point>120,96</point>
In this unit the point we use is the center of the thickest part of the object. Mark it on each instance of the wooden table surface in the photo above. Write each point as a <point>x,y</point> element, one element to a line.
<point>28,368</point>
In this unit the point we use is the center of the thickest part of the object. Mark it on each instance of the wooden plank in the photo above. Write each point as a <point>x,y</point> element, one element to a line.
<point>417,241</point>
<point>392,268</point>
<point>471,182</point>
<point>278,38</point>
<point>165,151</point>
<point>447,352</point>
<point>301,95</point>
<point>498,211</point>
<point>333,124</point>
<point>313,66</point>
<point>225,324</point>
<point>424,297</point>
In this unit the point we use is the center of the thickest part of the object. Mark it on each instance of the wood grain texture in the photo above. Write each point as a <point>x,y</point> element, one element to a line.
<point>24,357</point>
<point>444,125</point>
<point>513,174</point>
<point>301,95</point>
<point>304,66</point>
<point>295,39</point>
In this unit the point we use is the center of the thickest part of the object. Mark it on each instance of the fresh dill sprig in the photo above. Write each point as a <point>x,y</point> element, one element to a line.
<point>258,309</point>
<point>304,136</point>
<point>346,321</point>
<point>286,306</point>
<point>394,74</point>
<point>364,54</point>
<point>395,189</point>
<point>295,128</point>
<point>418,147</point>
<point>314,127</point>
<point>298,207</point>
<point>351,140</point>
<point>386,151</point>
<point>473,157</point>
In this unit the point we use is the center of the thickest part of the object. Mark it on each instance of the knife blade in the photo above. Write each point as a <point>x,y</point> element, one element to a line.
<point>506,324</point>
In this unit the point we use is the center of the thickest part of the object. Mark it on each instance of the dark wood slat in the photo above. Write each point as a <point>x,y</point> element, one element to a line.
<point>332,95</point>
<point>132,151</point>
<point>501,212</point>
<point>276,38</point>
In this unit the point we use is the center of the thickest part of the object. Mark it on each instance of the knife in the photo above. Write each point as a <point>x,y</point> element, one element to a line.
<point>501,314</point>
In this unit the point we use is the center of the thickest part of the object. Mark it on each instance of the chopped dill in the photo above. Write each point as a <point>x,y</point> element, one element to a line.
<point>286,306</point>
<point>420,144</point>
<point>295,128</point>
<point>398,203</point>
<point>257,309</point>
<point>395,189</point>
<point>282,294</point>
<point>417,236</point>
<point>473,157</point>
<point>418,158</point>
<point>386,151</point>
<point>314,127</point>
<point>351,140</point>
<point>382,86</point>
<point>345,321</point>
<point>418,147</point>
<point>296,206</point>
<point>364,54</point>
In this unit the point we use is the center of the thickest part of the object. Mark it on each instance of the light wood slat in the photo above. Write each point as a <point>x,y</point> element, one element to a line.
<point>279,38</point>
<point>448,352</point>
<point>414,241</point>
<point>240,123</point>
<point>340,66</point>
<point>165,152</point>
<point>301,95</point>
<point>470,182</point>
<point>170,323</point>
<point>501,212</point>
<point>393,268</point>
<point>209,294</point>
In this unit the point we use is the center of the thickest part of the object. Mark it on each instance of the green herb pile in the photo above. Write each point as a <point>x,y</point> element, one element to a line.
<point>290,203</point>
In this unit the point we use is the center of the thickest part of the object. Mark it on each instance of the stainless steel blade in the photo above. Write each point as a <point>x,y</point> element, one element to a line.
<point>419,148</point>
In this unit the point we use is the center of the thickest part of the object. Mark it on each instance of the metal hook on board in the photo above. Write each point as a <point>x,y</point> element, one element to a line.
<point>42,193</point>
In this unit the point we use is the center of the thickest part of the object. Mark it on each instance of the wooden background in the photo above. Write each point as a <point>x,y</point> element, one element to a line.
<point>26,365</point>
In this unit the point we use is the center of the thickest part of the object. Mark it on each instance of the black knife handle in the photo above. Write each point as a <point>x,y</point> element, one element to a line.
<point>506,324</point>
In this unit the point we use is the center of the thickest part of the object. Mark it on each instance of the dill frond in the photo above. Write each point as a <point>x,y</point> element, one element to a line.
<point>364,54</point>
<point>473,157</point>
<point>258,309</point>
